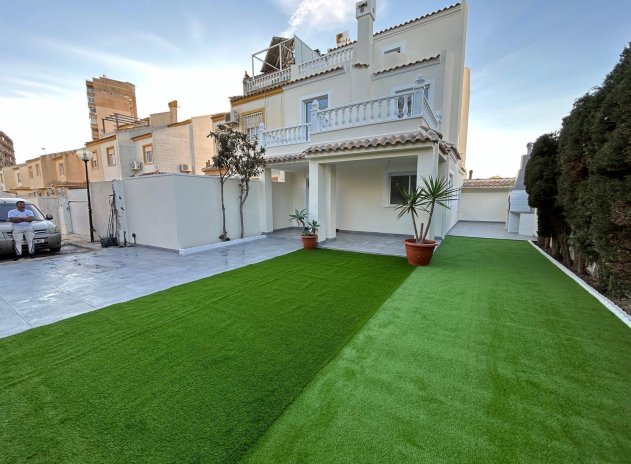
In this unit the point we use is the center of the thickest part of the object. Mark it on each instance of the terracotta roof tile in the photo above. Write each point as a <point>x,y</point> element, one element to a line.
<point>422,135</point>
<point>497,183</point>
<point>417,19</point>
<point>401,66</point>
<point>284,158</point>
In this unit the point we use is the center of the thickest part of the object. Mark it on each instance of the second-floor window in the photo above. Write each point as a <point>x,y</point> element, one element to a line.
<point>95,160</point>
<point>251,124</point>
<point>30,172</point>
<point>61,169</point>
<point>111,156</point>
<point>19,178</point>
<point>37,170</point>
<point>147,153</point>
<point>307,106</point>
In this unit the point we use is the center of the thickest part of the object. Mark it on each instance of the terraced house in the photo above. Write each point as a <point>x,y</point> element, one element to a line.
<point>346,129</point>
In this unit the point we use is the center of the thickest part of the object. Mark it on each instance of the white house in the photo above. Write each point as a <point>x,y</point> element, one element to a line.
<point>343,130</point>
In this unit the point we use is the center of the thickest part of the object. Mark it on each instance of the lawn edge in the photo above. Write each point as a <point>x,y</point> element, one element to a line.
<point>606,302</point>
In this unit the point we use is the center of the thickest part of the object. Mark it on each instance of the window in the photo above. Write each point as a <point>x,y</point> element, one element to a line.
<point>147,153</point>
<point>93,120</point>
<point>399,182</point>
<point>90,99</point>
<point>92,110</point>
<point>95,160</point>
<point>30,172</point>
<point>19,178</point>
<point>111,156</point>
<point>38,172</point>
<point>251,124</point>
<point>61,169</point>
<point>323,100</point>
<point>392,50</point>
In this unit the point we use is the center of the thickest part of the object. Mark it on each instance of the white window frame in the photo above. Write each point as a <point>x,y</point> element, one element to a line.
<point>144,153</point>
<point>387,49</point>
<point>252,132</point>
<point>388,185</point>
<point>95,159</point>
<point>304,99</point>
<point>112,161</point>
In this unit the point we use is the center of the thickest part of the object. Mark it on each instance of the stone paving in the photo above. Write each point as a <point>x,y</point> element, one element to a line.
<point>485,230</point>
<point>48,289</point>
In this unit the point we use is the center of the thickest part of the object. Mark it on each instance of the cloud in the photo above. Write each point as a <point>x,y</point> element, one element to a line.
<point>316,14</point>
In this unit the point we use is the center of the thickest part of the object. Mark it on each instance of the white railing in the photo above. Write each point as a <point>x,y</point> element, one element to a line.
<point>284,136</point>
<point>266,80</point>
<point>328,61</point>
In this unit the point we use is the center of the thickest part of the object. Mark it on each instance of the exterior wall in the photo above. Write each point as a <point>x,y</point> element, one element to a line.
<point>172,146</point>
<point>110,96</point>
<point>202,144</point>
<point>484,205</point>
<point>176,211</point>
<point>7,152</point>
<point>363,196</point>
<point>287,197</point>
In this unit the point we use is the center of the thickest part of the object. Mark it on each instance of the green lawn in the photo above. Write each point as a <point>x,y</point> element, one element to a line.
<point>193,374</point>
<point>491,354</point>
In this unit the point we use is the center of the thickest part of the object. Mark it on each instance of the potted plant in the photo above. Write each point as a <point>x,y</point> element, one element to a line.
<point>309,234</point>
<point>419,249</point>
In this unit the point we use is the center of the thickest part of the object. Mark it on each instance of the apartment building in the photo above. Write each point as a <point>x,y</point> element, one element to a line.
<point>111,103</point>
<point>344,130</point>
<point>7,153</point>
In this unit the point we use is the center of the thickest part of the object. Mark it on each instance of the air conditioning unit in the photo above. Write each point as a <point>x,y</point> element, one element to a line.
<point>185,168</point>
<point>232,117</point>
<point>136,165</point>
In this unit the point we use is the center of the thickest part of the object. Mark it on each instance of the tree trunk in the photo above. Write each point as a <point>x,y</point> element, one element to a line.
<point>565,251</point>
<point>429,223</point>
<point>579,264</point>
<point>223,212</point>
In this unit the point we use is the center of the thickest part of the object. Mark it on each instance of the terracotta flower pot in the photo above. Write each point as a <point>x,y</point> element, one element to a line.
<point>309,241</point>
<point>419,254</point>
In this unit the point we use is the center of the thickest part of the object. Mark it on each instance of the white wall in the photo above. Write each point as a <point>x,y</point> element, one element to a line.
<point>484,205</point>
<point>179,211</point>
<point>287,197</point>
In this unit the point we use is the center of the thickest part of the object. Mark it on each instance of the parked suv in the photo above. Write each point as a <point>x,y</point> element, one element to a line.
<point>46,233</point>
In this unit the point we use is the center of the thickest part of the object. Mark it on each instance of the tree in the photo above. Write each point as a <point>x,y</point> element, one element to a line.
<point>542,173</point>
<point>248,162</point>
<point>227,142</point>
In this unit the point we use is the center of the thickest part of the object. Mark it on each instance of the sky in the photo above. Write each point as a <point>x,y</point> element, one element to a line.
<point>529,60</point>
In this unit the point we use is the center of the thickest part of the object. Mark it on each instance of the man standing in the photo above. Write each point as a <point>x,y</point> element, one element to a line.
<point>21,218</point>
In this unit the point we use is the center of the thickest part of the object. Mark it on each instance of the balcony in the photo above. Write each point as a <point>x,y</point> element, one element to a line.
<point>408,106</point>
<point>298,71</point>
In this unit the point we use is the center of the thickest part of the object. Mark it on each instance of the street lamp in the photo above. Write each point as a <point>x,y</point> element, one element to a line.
<point>86,156</point>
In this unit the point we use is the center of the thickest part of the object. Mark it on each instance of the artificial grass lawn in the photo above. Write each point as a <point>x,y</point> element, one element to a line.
<point>491,354</point>
<point>196,373</point>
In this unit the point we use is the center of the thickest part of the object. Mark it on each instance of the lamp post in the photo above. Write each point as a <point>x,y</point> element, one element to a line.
<point>86,156</point>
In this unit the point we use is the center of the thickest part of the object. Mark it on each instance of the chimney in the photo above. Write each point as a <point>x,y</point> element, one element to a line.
<point>470,173</point>
<point>365,11</point>
<point>529,148</point>
<point>173,111</point>
<point>342,39</point>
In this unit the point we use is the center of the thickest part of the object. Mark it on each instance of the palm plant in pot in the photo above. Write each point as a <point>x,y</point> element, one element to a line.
<point>434,191</point>
<point>309,234</point>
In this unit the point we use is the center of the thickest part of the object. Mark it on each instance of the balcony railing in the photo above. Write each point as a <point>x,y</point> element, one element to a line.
<point>328,61</point>
<point>266,80</point>
<point>406,105</point>
<point>284,136</point>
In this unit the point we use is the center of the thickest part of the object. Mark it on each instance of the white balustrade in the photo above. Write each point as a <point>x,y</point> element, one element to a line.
<point>266,80</point>
<point>324,62</point>
<point>285,136</point>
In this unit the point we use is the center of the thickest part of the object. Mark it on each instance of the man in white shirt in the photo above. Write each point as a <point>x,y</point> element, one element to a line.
<point>22,219</point>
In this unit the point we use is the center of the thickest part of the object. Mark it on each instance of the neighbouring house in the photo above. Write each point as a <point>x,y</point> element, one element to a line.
<point>159,143</point>
<point>522,219</point>
<point>346,129</point>
<point>45,175</point>
<point>485,200</point>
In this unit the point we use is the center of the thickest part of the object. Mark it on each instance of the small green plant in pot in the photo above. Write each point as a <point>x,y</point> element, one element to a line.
<point>309,234</point>
<point>419,250</point>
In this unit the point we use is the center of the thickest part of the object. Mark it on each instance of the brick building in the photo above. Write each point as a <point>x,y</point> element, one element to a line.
<point>7,153</point>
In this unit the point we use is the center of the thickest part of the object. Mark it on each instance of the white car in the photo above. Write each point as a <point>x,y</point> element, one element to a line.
<point>46,232</point>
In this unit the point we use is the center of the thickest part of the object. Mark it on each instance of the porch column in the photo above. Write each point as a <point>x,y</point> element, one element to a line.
<point>266,201</point>
<point>322,198</point>
<point>426,166</point>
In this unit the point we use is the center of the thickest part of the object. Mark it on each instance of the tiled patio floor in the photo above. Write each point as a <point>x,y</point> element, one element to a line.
<point>485,230</point>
